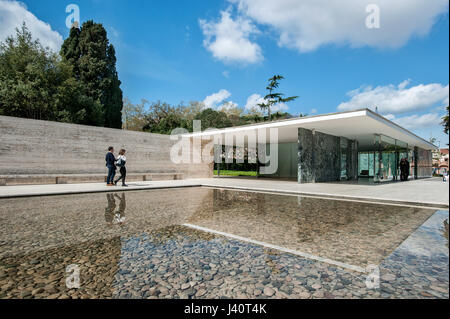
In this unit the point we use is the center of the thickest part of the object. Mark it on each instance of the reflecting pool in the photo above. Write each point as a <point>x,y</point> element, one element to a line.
<point>216,243</point>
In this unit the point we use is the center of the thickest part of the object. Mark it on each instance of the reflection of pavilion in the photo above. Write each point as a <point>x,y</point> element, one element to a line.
<point>347,232</point>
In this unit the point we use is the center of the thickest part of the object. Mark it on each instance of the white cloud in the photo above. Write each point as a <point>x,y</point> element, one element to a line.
<point>217,100</point>
<point>14,13</point>
<point>255,99</point>
<point>280,107</point>
<point>415,121</point>
<point>226,74</point>
<point>229,40</point>
<point>308,24</point>
<point>397,99</point>
<point>313,111</point>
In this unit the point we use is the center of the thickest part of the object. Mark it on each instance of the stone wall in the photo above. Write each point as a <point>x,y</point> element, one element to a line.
<point>43,147</point>
<point>326,157</point>
<point>321,157</point>
<point>305,156</point>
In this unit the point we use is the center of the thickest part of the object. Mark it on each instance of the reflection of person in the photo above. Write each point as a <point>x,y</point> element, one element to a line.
<point>121,162</point>
<point>109,210</point>
<point>112,216</point>
<point>119,216</point>
<point>110,164</point>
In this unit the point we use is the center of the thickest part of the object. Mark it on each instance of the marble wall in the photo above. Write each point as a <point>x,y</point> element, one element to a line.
<point>326,158</point>
<point>327,165</point>
<point>305,156</point>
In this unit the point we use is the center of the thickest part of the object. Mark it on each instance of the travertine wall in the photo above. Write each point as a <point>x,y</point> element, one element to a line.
<point>42,147</point>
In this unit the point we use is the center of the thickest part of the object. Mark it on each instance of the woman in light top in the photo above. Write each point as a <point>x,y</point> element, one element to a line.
<point>121,161</point>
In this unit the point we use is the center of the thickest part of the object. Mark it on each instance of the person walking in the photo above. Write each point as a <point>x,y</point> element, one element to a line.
<point>110,164</point>
<point>121,162</point>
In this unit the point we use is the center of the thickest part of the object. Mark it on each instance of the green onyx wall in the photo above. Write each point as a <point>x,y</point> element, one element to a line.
<point>325,158</point>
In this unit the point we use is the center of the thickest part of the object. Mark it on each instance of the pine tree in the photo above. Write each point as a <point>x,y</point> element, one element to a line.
<point>273,98</point>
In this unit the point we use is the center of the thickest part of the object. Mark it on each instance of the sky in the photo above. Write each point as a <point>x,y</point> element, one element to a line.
<point>336,55</point>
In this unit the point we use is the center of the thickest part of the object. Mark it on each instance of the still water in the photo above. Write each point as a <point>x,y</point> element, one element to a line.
<point>215,243</point>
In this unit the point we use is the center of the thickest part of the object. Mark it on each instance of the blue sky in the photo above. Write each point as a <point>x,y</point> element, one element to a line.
<point>178,51</point>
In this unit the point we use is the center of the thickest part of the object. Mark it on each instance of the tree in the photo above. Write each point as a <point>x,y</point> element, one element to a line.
<point>445,121</point>
<point>190,111</point>
<point>27,75</point>
<point>274,98</point>
<point>93,60</point>
<point>35,83</point>
<point>213,119</point>
<point>134,116</point>
<point>162,118</point>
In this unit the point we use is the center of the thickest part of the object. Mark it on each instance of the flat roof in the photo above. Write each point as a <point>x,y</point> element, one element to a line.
<point>358,125</point>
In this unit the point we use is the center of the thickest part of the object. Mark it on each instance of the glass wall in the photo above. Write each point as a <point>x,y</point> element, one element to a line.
<point>366,164</point>
<point>424,163</point>
<point>344,151</point>
<point>383,163</point>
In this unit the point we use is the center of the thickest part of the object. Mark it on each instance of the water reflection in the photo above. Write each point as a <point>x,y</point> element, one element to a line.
<point>113,217</point>
<point>445,230</point>
<point>355,233</point>
<point>152,255</point>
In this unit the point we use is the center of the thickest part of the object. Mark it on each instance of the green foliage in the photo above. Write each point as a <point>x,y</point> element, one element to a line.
<point>213,119</point>
<point>163,118</point>
<point>35,83</point>
<point>273,98</point>
<point>445,121</point>
<point>134,115</point>
<point>93,60</point>
<point>236,173</point>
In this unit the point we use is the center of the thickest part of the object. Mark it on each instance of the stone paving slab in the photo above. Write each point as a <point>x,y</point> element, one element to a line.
<point>427,192</point>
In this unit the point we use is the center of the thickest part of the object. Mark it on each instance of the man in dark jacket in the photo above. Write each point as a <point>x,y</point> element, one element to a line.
<point>111,165</point>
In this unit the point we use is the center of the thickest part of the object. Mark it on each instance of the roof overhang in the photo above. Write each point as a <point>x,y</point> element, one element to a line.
<point>360,125</point>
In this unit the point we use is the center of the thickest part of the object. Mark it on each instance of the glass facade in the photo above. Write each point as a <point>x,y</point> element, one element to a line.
<point>366,165</point>
<point>382,162</point>
<point>344,161</point>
